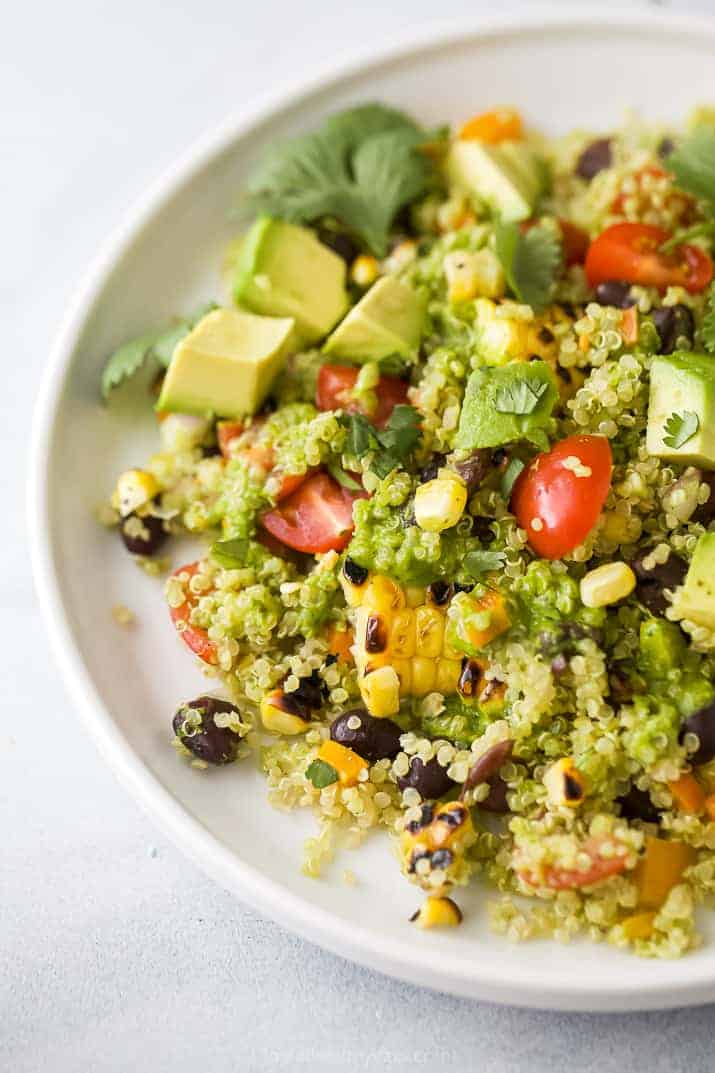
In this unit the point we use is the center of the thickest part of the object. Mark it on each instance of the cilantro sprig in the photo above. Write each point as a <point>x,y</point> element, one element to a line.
<point>679,428</point>
<point>361,167</point>
<point>530,262</point>
<point>159,345</point>
<point>482,561</point>
<point>391,446</point>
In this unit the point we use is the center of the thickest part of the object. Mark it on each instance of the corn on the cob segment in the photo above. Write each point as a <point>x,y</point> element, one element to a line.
<point>401,647</point>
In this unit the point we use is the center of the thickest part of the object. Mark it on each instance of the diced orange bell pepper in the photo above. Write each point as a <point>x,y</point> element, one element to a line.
<point>638,926</point>
<point>346,762</point>
<point>688,794</point>
<point>660,868</point>
<point>339,643</point>
<point>710,806</point>
<point>629,325</point>
<point>497,125</point>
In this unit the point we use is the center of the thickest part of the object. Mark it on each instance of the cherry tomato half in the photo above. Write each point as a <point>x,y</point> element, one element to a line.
<point>260,456</point>
<point>318,517</point>
<point>558,497</point>
<point>631,252</point>
<point>335,382</point>
<point>195,637</point>
<point>571,878</point>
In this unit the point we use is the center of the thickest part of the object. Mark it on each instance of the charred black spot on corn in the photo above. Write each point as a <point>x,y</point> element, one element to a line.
<point>470,677</point>
<point>426,817</point>
<point>453,815</point>
<point>572,788</point>
<point>356,574</point>
<point>440,593</point>
<point>375,634</point>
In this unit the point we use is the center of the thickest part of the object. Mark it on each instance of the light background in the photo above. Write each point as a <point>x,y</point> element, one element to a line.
<point>116,954</point>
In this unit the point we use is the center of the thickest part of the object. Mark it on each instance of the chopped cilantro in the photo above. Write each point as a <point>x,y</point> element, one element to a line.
<point>481,561</point>
<point>362,166</point>
<point>391,447</point>
<point>530,261</point>
<point>679,428</point>
<point>321,774</point>
<point>693,164</point>
<point>230,554</point>
<point>510,475</point>
<point>519,397</point>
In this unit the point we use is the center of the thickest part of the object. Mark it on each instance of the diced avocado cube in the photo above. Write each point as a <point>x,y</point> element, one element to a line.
<point>682,384</point>
<point>284,271</point>
<point>226,364</point>
<point>695,599</point>
<point>387,321</point>
<point>508,178</point>
<point>506,403</point>
<point>662,646</point>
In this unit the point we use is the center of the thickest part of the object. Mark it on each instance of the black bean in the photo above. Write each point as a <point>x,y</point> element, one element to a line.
<point>615,292</point>
<point>355,573</point>
<point>430,471</point>
<point>439,593</point>
<point>701,723</point>
<point>374,739</point>
<point>460,586</point>
<point>195,726</point>
<point>482,528</point>
<point>339,243</point>
<point>637,805</point>
<point>651,584</point>
<point>474,469</point>
<point>430,780</point>
<point>673,323</point>
<point>146,542</point>
<point>488,764</point>
<point>496,800</point>
<point>705,513</point>
<point>596,157</point>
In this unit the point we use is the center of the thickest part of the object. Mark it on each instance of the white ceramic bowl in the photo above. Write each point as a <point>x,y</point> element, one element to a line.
<point>563,71</point>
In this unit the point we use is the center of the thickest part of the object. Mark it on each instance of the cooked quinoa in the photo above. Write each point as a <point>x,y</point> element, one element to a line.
<point>456,570</point>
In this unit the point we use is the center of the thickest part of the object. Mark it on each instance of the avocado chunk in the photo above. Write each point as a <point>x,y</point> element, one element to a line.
<point>662,646</point>
<point>226,364</point>
<point>284,271</point>
<point>682,384</point>
<point>695,600</point>
<point>387,320</point>
<point>506,403</point>
<point>508,178</point>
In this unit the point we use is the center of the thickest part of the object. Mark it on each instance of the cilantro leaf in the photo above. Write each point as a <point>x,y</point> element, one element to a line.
<point>520,397</point>
<point>128,359</point>
<point>707,330</point>
<point>693,164</point>
<point>530,261</point>
<point>392,446</point>
<point>361,167</point>
<point>679,428</point>
<point>510,475</point>
<point>230,554</point>
<point>321,774</point>
<point>481,561</point>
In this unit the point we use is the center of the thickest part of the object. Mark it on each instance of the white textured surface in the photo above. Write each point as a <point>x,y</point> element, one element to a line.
<point>115,953</point>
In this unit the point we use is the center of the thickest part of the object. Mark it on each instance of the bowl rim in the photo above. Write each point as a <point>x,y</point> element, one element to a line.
<point>517,984</point>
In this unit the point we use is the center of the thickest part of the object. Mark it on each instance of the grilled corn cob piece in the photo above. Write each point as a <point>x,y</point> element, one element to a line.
<point>401,646</point>
<point>433,844</point>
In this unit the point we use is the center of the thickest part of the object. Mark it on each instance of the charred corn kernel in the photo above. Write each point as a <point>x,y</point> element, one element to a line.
<point>403,254</point>
<point>447,676</point>
<point>638,926</point>
<point>439,504</point>
<point>364,270</point>
<point>277,716</point>
<point>688,794</point>
<point>564,783</point>
<point>607,584</point>
<point>402,635</point>
<point>414,596</point>
<point>476,620</point>
<point>135,488</point>
<point>383,595</point>
<point>403,669</point>
<point>710,806</point>
<point>500,338</point>
<point>346,762</point>
<point>424,673</point>
<point>568,381</point>
<point>471,274</point>
<point>437,842</point>
<point>429,632</point>
<point>437,913</point>
<point>380,690</point>
<point>353,579</point>
<point>660,868</point>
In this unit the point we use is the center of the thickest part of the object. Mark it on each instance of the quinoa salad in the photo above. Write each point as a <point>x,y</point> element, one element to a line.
<point>446,443</point>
